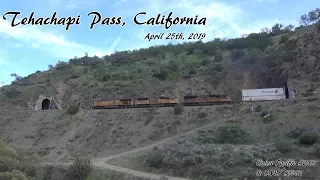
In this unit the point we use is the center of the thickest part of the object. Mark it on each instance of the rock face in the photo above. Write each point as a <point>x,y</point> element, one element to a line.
<point>46,103</point>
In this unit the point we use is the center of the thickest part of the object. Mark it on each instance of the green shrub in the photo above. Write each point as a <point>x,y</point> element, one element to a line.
<point>173,65</point>
<point>315,77</point>
<point>309,138</point>
<point>283,146</point>
<point>162,75</point>
<point>284,38</point>
<point>218,57</point>
<point>297,131</point>
<point>232,134</point>
<point>74,76</point>
<point>288,57</point>
<point>13,175</point>
<point>218,68</point>
<point>192,71</point>
<point>12,92</point>
<point>163,178</point>
<point>73,109</point>
<point>62,65</point>
<point>18,163</point>
<point>291,44</point>
<point>253,56</point>
<point>154,159</point>
<point>316,150</point>
<point>85,70</point>
<point>205,61</point>
<point>187,76</point>
<point>106,77</point>
<point>202,115</point>
<point>258,108</point>
<point>178,109</point>
<point>237,54</point>
<point>80,169</point>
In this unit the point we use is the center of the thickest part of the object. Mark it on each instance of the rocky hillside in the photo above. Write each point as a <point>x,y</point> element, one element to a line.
<point>265,59</point>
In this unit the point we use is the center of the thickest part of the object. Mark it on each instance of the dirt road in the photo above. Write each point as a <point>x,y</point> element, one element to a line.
<point>105,159</point>
<point>103,162</point>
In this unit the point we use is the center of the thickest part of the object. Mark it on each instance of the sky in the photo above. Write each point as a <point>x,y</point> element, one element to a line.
<point>25,49</point>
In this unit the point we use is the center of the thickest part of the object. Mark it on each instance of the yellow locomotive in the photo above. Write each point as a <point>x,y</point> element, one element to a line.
<point>160,102</point>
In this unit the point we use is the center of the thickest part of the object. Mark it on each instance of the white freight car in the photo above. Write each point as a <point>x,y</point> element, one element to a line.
<point>268,94</point>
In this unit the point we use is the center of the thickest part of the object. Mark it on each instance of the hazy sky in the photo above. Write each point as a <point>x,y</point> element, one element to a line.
<point>25,49</point>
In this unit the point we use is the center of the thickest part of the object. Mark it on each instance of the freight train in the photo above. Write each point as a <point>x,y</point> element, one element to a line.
<point>161,102</point>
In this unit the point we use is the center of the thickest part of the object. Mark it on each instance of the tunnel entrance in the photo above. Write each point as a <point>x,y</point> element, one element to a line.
<point>45,104</point>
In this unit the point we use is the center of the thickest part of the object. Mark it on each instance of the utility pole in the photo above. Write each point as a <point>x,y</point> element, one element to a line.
<point>2,83</point>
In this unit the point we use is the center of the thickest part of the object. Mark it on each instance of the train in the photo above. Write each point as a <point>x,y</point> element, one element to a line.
<point>161,101</point>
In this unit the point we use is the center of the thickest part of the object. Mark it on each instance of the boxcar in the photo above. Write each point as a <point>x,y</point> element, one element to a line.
<point>268,94</point>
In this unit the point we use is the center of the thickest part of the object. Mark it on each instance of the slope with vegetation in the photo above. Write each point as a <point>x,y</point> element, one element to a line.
<point>288,128</point>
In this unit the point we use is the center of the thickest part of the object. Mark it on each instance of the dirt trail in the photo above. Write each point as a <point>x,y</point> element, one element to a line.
<point>105,159</point>
<point>103,162</point>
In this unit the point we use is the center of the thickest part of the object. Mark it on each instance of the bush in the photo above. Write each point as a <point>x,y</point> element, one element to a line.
<point>288,57</point>
<point>80,169</point>
<point>297,131</point>
<point>178,109</point>
<point>315,77</point>
<point>18,163</point>
<point>74,76</point>
<point>106,77</point>
<point>162,75</point>
<point>13,175</point>
<point>12,92</point>
<point>237,54</point>
<point>233,135</point>
<point>73,109</point>
<point>258,108</point>
<point>202,115</point>
<point>155,159</point>
<point>62,65</point>
<point>253,56</point>
<point>283,146</point>
<point>284,38</point>
<point>205,61</point>
<point>218,57</point>
<point>316,150</point>
<point>163,178</point>
<point>291,44</point>
<point>193,71</point>
<point>309,138</point>
<point>218,68</point>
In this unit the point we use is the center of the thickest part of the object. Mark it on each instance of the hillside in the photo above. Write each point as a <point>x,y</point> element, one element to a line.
<point>260,60</point>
